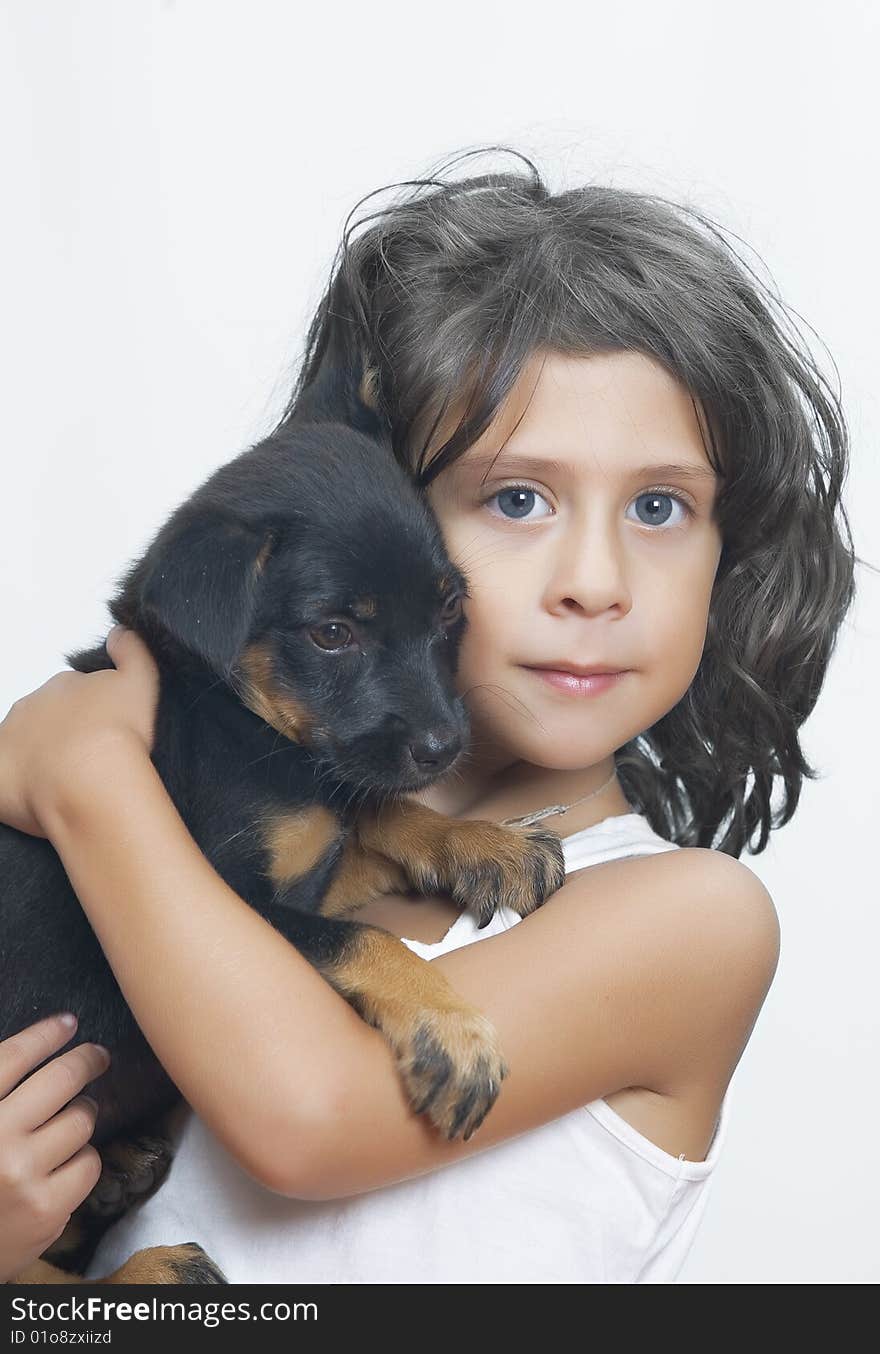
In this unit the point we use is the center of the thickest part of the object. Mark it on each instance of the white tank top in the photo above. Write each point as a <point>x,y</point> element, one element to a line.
<point>582,1199</point>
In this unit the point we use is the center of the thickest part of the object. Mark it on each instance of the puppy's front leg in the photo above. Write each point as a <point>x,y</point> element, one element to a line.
<point>447,1052</point>
<point>480,864</point>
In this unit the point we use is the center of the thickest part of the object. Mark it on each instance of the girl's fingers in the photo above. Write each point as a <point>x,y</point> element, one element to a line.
<point>70,1184</point>
<point>24,1051</point>
<point>63,1136</point>
<point>139,671</point>
<point>49,1090</point>
<point>131,655</point>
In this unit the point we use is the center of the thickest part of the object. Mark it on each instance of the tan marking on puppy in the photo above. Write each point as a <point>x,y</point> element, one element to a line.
<point>447,1051</point>
<point>186,1264</point>
<point>261,695</point>
<point>157,1264</point>
<point>365,608</point>
<point>296,841</point>
<point>420,839</point>
<point>480,863</point>
<point>360,876</point>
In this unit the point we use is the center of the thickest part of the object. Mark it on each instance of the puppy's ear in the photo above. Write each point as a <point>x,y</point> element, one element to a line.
<point>368,390</point>
<point>202,582</point>
<point>345,390</point>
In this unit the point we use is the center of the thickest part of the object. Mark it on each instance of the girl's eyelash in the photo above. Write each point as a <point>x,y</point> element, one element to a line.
<point>672,493</point>
<point>654,489</point>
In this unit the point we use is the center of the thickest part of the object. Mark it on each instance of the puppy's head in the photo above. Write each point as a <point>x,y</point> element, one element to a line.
<point>311,578</point>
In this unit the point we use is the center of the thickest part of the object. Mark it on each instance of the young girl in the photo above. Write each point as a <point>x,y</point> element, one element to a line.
<point>641,475</point>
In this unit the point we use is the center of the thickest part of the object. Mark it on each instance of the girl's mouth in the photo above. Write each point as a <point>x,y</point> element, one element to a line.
<point>577,685</point>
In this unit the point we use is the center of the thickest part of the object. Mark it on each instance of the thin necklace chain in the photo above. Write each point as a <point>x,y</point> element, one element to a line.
<point>553,809</point>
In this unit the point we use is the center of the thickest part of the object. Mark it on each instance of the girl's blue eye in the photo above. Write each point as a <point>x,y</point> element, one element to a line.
<point>656,512</point>
<point>521,499</point>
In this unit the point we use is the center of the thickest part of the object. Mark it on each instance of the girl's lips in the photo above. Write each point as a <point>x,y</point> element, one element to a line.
<point>578,686</point>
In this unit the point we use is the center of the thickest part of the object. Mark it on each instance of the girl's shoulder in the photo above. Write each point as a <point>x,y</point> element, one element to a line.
<point>727,872</point>
<point>680,879</point>
<point>722,881</point>
<point>704,925</point>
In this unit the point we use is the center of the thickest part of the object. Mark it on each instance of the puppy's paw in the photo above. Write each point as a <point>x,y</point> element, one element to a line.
<point>184,1264</point>
<point>486,865</point>
<point>194,1266</point>
<point>446,1051</point>
<point>452,1068</point>
<point>131,1170</point>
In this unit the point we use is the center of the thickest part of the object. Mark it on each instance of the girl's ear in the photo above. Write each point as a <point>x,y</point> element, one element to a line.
<point>202,582</point>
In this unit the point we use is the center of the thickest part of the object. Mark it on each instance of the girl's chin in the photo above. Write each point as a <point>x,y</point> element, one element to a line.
<point>559,752</point>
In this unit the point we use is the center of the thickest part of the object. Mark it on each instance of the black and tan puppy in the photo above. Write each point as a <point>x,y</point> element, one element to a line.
<point>305,619</point>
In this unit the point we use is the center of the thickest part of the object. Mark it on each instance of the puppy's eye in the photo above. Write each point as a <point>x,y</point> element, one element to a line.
<point>450,612</point>
<point>333,635</point>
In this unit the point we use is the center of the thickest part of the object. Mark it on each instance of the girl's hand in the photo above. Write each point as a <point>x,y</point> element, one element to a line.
<point>46,1165</point>
<point>49,738</point>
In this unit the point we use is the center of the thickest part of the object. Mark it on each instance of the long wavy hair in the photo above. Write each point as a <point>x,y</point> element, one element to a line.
<point>452,288</point>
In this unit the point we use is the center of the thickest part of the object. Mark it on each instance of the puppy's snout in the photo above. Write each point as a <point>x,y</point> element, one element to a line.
<point>435,750</point>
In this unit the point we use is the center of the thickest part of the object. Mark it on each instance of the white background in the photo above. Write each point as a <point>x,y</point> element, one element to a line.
<point>175,179</point>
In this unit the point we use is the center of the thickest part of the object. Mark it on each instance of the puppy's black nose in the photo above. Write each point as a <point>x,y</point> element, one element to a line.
<point>435,750</point>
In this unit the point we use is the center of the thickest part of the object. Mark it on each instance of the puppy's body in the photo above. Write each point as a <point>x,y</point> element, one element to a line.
<point>221,766</point>
<point>288,749</point>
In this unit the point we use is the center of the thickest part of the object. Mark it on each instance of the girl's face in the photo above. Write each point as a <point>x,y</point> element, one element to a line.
<point>591,540</point>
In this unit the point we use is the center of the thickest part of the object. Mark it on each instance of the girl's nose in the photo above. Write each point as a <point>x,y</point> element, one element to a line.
<point>590,569</point>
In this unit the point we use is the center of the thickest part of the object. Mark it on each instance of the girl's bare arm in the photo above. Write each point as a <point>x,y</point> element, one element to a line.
<point>639,972</point>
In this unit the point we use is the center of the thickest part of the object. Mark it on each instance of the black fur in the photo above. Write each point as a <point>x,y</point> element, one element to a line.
<point>281,540</point>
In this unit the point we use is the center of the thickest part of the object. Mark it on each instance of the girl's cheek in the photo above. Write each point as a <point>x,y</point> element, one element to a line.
<point>484,638</point>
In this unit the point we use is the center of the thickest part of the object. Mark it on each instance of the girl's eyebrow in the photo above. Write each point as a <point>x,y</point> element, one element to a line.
<point>507,461</point>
